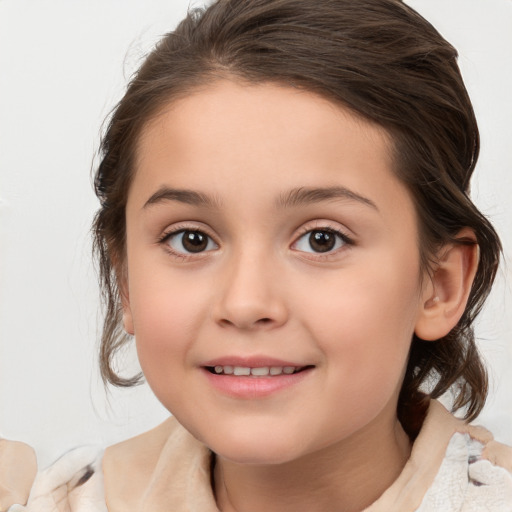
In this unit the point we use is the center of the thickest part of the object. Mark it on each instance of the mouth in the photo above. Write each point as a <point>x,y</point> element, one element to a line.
<point>258,371</point>
<point>254,377</point>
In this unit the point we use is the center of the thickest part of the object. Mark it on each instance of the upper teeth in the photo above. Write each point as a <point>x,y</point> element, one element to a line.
<point>260,371</point>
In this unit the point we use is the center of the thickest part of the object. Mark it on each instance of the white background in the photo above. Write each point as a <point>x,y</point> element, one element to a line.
<point>63,66</point>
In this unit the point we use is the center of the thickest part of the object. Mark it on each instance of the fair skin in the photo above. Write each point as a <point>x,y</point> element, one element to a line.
<point>266,229</point>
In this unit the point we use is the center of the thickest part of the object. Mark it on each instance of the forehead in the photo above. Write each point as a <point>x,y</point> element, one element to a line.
<point>262,139</point>
<point>241,109</point>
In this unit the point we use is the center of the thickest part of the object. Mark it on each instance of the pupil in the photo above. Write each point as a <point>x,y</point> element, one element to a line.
<point>322,241</point>
<point>194,241</point>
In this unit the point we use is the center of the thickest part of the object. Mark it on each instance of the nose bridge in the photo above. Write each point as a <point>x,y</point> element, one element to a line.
<point>251,295</point>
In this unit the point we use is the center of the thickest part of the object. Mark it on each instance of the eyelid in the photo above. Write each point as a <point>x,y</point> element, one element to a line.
<point>324,225</point>
<point>327,225</point>
<point>176,229</point>
<point>184,226</point>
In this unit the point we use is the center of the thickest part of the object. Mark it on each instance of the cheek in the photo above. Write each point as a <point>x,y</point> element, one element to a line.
<point>166,317</point>
<point>384,300</point>
<point>364,320</point>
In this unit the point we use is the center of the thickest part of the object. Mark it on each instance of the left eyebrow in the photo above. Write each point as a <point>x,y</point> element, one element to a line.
<point>303,195</point>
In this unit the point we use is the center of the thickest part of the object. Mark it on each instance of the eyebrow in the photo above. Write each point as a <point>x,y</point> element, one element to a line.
<point>296,197</point>
<point>304,195</point>
<point>186,196</point>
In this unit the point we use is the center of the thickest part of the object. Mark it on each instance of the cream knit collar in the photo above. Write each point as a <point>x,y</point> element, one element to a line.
<point>174,469</point>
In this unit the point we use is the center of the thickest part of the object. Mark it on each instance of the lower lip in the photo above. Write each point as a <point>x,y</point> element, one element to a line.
<point>253,387</point>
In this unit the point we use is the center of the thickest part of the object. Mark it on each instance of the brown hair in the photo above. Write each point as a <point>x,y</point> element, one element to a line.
<point>378,58</point>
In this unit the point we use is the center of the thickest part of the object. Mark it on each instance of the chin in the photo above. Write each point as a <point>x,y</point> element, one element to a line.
<point>269,449</point>
<point>253,438</point>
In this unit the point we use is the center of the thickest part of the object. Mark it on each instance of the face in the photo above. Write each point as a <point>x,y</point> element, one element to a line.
<point>273,279</point>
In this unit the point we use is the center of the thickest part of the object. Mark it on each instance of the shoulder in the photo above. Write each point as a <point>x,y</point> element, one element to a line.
<point>76,481</point>
<point>468,480</point>
<point>144,448</point>
<point>166,465</point>
<point>128,466</point>
<point>475,472</point>
<point>453,467</point>
<point>88,478</point>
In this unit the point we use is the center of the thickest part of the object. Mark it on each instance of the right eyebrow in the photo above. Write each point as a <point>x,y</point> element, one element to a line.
<point>186,196</point>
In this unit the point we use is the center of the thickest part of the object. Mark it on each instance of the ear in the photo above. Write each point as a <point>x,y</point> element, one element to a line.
<point>127,312</point>
<point>444,298</point>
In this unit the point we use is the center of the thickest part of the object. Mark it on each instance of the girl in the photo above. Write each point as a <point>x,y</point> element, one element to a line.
<point>285,230</point>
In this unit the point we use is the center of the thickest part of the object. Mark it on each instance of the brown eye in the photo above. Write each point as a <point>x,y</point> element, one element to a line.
<point>320,241</point>
<point>190,241</point>
<point>194,241</point>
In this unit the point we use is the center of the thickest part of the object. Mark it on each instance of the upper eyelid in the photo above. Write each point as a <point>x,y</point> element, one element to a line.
<point>185,226</point>
<point>319,225</point>
<point>347,240</point>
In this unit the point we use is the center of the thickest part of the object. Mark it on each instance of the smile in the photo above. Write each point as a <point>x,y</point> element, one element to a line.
<point>262,371</point>
<point>255,379</point>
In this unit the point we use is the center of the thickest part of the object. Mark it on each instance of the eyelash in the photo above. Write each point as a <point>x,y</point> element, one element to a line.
<point>166,236</point>
<point>323,228</point>
<point>176,230</point>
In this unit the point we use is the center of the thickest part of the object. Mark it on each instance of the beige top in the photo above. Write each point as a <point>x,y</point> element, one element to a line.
<point>453,467</point>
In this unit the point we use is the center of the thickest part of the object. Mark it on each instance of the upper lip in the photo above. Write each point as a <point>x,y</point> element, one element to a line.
<point>251,362</point>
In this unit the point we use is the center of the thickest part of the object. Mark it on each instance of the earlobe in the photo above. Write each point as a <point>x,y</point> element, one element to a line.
<point>119,266</point>
<point>128,320</point>
<point>444,299</point>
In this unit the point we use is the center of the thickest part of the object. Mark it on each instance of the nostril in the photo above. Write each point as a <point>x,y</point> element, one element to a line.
<point>261,322</point>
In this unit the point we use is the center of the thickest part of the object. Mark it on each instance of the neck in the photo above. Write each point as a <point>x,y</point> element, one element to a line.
<point>348,476</point>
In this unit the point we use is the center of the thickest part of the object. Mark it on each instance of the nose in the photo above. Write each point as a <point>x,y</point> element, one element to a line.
<point>251,294</point>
